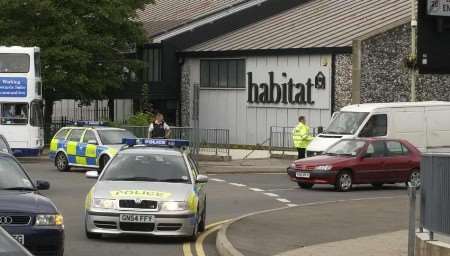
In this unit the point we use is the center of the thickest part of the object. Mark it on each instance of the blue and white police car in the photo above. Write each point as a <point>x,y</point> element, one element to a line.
<point>87,144</point>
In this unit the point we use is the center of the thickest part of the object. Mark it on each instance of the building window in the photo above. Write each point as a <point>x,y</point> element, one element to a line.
<point>224,73</point>
<point>152,64</point>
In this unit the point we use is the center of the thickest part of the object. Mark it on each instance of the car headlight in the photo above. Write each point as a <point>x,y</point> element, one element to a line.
<point>323,168</point>
<point>292,166</point>
<point>102,203</point>
<point>174,206</point>
<point>49,220</point>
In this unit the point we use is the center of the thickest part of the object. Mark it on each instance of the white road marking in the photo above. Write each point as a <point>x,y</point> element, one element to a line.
<point>292,205</point>
<point>283,200</point>
<point>271,194</point>
<point>281,189</point>
<point>218,180</point>
<point>238,185</point>
<point>256,189</point>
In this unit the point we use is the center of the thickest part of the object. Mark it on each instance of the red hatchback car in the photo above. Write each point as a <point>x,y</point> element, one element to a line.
<point>373,161</point>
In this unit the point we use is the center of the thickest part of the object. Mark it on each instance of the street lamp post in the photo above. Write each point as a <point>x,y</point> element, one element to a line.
<point>413,48</point>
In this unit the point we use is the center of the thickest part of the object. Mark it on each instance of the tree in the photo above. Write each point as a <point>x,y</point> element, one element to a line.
<point>82,43</point>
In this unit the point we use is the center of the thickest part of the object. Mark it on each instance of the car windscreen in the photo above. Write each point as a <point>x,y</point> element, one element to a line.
<point>12,176</point>
<point>14,63</point>
<point>346,148</point>
<point>147,167</point>
<point>111,137</point>
<point>346,122</point>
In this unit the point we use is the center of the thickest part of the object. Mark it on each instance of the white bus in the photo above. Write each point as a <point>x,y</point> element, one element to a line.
<point>21,119</point>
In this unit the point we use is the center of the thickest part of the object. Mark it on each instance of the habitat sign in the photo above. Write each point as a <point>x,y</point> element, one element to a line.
<point>297,82</point>
<point>439,7</point>
<point>13,87</point>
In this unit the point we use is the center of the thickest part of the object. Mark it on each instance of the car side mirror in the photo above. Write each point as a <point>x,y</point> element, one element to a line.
<point>319,129</point>
<point>92,175</point>
<point>42,185</point>
<point>202,179</point>
<point>93,142</point>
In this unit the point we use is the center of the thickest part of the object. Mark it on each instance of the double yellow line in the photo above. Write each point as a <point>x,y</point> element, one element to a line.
<point>201,239</point>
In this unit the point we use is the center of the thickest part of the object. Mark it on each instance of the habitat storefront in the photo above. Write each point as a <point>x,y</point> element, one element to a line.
<point>250,95</point>
<point>310,60</point>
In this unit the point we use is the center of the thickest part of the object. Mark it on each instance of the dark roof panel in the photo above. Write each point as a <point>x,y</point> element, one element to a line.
<point>168,14</point>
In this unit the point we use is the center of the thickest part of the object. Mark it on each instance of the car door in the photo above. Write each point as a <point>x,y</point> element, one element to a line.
<point>371,166</point>
<point>397,161</point>
<point>74,154</point>
<point>88,147</point>
<point>198,187</point>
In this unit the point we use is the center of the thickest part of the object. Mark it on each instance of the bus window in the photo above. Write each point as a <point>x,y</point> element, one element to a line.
<point>14,113</point>
<point>14,63</point>
<point>37,64</point>
<point>39,88</point>
<point>36,119</point>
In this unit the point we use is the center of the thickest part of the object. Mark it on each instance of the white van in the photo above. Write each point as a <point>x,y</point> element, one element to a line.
<point>424,124</point>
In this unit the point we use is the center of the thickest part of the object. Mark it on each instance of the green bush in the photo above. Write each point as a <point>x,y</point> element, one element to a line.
<point>141,119</point>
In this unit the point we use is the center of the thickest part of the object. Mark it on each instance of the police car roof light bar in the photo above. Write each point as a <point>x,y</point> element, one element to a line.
<point>89,123</point>
<point>156,142</point>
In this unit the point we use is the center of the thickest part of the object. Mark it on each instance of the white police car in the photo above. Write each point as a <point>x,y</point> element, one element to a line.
<point>151,187</point>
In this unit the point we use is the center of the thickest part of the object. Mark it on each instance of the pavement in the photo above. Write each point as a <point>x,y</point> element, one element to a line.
<point>242,154</point>
<point>392,244</point>
<point>373,226</point>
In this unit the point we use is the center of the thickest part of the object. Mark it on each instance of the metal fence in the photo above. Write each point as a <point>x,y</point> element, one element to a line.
<point>281,138</point>
<point>435,193</point>
<point>211,141</point>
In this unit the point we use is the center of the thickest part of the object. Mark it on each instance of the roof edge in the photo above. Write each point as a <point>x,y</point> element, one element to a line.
<point>266,52</point>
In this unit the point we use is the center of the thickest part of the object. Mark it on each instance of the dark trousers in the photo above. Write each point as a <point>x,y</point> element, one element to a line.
<point>301,153</point>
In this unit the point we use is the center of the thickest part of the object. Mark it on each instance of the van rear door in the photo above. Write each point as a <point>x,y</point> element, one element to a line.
<point>438,128</point>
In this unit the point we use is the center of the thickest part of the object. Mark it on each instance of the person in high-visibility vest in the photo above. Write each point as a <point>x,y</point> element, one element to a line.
<point>301,137</point>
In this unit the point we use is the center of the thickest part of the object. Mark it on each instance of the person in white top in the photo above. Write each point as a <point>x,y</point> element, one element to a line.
<point>159,129</point>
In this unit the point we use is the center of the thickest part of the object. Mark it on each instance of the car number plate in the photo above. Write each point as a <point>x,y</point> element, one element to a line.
<point>132,218</point>
<point>19,238</point>
<point>302,174</point>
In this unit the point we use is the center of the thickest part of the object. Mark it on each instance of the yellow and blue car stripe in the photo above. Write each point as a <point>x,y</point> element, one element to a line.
<point>86,155</point>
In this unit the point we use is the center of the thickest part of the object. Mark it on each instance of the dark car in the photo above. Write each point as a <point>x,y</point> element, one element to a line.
<point>10,247</point>
<point>32,219</point>
<point>373,161</point>
<point>4,145</point>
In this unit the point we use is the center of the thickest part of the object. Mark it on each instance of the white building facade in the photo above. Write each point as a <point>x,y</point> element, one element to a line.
<point>249,95</point>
